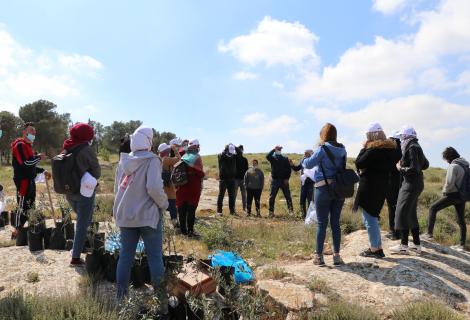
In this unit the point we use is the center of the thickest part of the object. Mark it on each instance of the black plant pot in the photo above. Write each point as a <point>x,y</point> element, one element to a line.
<point>94,264</point>
<point>2,222</point>
<point>69,245</point>
<point>47,237</point>
<point>22,237</point>
<point>173,262</point>
<point>6,217</point>
<point>35,239</point>
<point>137,275</point>
<point>57,239</point>
<point>69,231</point>
<point>23,219</point>
<point>111,262</point>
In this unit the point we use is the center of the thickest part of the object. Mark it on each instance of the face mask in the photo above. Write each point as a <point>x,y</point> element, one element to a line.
<point>255,166</point>
<point>31,137</point>
<point>1,133</point>
<point>278,153</point>
<point>90,142</point>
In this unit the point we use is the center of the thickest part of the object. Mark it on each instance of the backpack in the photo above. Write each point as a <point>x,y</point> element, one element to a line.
<point>179,175</point>
<point>166,177</point>
<point>345,179</point>
<point>65,175</point>
<point>464,188</point>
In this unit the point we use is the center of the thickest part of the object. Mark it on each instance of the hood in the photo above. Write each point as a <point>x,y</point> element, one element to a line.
<point>14,143</point>
<point>334,145</point>
<point>461,161</point>
<point>381,144</point>
<point>134,160</point>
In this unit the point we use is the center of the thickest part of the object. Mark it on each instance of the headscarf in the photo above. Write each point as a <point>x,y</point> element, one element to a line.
<point>142,139</point>
<point>80,133</point>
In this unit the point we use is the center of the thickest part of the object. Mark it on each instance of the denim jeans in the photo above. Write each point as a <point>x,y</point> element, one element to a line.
<point>172,209</point>
<point>153,240</point>
<point>373,229</point>
<point>240,184</point>
<point>328,208</point>
<point>277,184</point>
<point>83,207</point>
<point>229,186</point>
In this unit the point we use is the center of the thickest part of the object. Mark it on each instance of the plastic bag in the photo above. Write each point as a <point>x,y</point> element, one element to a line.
<point>311,216</point>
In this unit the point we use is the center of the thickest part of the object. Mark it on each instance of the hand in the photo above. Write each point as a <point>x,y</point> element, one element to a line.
<point>48,175</point>
<point>398,166</point>
<point>286,182</point>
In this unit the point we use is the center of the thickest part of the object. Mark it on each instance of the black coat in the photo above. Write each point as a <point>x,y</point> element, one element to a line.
<point>242,166</point>
<point>376,162</point>
<point>227,166</point>
<point>412,163</point>
<point>280,166</point>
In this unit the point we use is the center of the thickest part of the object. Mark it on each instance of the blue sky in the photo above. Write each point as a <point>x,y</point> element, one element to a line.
<point>259,73</point>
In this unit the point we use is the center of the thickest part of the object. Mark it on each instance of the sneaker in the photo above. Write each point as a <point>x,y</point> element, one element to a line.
<point>193,234</point>
<point>458,248</point>
<point>392,236</point>
<point>337,261</point>
<point>372,254</point>
<point>415,248</point>
<point>399,249</point>
<point>77,262</point>
<point>271,214</point>
<point>426,237</point>
<point>175,223</point>
<point>258,215</point>
<point>318,260</point>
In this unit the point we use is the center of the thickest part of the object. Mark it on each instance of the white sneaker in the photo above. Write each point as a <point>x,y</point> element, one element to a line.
<point>174,222</point>
<point>399,249</point>
<point>219,214</point>
<point>415,248</point>
<point>426,237</point>
<point>458,248</point>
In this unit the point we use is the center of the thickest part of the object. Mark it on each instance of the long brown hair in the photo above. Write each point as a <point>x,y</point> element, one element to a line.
<point>328,133</point>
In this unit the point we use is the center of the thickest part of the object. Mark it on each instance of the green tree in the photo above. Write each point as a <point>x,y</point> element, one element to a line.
<point>99,130</point>
<point>116,131</point>
<point>9,123</point>
<point>52,127</point>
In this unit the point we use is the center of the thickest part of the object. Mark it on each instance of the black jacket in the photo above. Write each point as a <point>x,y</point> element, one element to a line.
<point>413,162</point>
<point>242,166</point>
<point>280,166</point>
<point>227,166</point>
<point>376,162</point>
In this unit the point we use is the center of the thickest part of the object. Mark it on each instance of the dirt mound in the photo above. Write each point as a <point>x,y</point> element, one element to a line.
<point>438,273</point>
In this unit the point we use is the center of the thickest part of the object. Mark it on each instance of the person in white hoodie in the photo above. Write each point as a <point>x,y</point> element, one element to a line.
<point>138,208</point>
<point>458,167</point>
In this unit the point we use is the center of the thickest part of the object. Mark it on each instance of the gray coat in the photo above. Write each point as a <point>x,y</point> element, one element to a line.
<point>254,179</point>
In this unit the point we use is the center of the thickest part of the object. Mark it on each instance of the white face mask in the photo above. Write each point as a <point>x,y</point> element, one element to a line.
<point>90,142</point>
<point>278,152</point>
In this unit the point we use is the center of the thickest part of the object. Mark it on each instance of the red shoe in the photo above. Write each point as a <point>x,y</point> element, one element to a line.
<point>77,262</point>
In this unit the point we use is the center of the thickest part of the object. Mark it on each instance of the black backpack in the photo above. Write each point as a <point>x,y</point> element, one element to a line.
<point>179,175</point>
<point>65,175</point>
<point>345,179</point>
<point>464,188</point>
<point>166,177</point>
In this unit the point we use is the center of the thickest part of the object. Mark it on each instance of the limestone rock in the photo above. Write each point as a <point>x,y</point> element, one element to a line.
<point>292,297</point>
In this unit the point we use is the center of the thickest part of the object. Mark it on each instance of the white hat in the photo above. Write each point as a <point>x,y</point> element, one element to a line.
<point>231,149</point>
<point>395,134</point>
<point>163,147</point>
<point>194,142</point>
<point>142,139</point>
<point>408,131</point>
<point>374,127</point>
<point>176,141</point>
<point>87,185</point>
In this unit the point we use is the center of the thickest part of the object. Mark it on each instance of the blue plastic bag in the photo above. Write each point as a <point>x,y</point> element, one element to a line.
<point>242,272</point>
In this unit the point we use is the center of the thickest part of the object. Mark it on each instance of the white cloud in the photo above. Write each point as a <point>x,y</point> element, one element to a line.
<point>79,63</point>
<point>278,85</point>
<point>389,6</point>
<point>262,126</point>
<point>434,118</point>
<point>243,75</point>
<point>274,42</point>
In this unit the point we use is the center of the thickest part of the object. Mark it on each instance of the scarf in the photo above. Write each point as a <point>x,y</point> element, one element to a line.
<point>193,160</point>
<point>81,133</point>
<point>406,141</point>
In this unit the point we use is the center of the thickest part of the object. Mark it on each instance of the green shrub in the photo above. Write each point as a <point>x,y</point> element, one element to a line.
<point>216,235</point>
<point>32,277</point>
<point>104,154</point>
<point>425,311</point>
<point>274,273</point>
<point>342,311</point>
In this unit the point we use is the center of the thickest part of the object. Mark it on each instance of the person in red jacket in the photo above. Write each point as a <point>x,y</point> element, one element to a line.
<point>187,195</point>
<point>25,169</point>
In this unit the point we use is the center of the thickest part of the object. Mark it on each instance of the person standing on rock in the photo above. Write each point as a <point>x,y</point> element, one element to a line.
<point>306,179</point>
<point>242,167</point>
<point>25,170</point>
<point>227,176</point>
<point>392,193</point>
<point>411,167</point>
<point>458,168</point>
<point>254,183</point>
<point>375,162</point>
<point>138,209</point>
<point>188,195</point>
<point>280,174</point>
<point>327,206</point>
<point>86,160</point>
<point>167,168</point>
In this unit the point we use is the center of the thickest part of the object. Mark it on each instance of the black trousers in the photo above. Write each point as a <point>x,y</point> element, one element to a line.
<point>229,186</point>
<point>187,216</point>
<point>29,199</point>
<point>306,196</point>
<point>451,199</point>
<point>256,195</point>
<point>275,186</point>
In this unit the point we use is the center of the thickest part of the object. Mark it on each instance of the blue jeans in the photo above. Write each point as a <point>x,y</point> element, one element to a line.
<point>84,207</point>
<point>373,229</point>
<point>172,209</point>
<point>328,208</point>
<point>153,240</point>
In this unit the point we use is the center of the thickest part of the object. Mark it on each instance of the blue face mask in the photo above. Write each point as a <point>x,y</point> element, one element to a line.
<point>31,137</point>
<point>1,133</point>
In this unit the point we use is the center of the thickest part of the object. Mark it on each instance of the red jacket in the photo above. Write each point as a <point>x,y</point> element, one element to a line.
<point>191,191</point>
<point>24,163</point>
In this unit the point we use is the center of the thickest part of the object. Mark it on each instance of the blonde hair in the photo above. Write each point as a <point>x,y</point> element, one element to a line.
<point>377,135</point>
